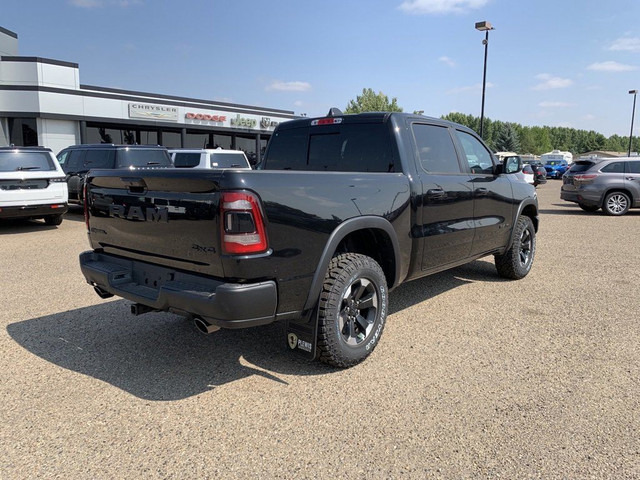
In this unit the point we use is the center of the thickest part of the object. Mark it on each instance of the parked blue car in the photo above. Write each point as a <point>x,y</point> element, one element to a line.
<point>556,168</point>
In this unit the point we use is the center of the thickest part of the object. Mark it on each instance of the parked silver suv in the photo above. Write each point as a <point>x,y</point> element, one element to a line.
<point>612,184</point>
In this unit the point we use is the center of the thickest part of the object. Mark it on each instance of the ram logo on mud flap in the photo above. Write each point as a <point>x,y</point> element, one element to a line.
<point>149,214</point>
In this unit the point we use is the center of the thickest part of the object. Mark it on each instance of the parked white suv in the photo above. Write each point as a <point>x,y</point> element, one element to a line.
<point>208,158</point>
<point>32,185</point>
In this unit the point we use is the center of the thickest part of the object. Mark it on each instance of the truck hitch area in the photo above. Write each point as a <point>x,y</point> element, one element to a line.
<point>139,309</point>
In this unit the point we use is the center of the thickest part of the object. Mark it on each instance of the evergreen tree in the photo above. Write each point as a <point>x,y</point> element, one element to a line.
<point>507,139</point>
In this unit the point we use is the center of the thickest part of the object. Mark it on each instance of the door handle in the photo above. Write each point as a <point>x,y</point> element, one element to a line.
<point>631,179</point>
<point>481,192</point>
<point>436,193</point>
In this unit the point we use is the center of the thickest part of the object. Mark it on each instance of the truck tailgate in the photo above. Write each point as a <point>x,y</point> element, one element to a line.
<point>171,220</point>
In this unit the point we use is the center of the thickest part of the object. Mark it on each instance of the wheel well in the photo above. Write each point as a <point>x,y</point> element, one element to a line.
<point>620,190</point>
<point>531,212</point>
<point>373,243</point>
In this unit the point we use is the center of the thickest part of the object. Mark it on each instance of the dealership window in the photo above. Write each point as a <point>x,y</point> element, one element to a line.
<point>246,144</point>
<point>100,134</point>
<point>171,139</point>
<point>196,140</point>
<point>23,132</point>
<point>148,137</point>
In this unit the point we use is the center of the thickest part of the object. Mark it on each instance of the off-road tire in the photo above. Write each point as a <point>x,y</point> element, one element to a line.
<point>53,219</point>
<point>352,310</point>
<point>516,262</point>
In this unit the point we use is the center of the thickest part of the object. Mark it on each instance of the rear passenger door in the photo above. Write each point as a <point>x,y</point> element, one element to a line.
<point>493,206</point>
<point>446,204</point>
<point>632,181</point>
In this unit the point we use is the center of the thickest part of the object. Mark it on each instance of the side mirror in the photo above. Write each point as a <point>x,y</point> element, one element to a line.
<point>512,165</point>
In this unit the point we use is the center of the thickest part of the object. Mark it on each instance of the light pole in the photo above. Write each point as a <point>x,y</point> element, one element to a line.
<point>633,112</point>
<point>484,27</point>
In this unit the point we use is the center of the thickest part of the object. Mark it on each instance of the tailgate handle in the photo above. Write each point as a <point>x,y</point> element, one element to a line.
<point>134,184</point>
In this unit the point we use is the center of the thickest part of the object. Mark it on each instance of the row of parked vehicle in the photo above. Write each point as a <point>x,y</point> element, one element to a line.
<point>34,183</point>
<point>535,172</point>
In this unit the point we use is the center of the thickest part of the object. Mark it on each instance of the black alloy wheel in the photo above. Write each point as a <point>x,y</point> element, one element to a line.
<point>352,309</point>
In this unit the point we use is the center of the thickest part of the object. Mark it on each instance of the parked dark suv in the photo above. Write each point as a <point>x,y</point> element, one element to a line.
<point>77,160</point>
<point>612,184</point>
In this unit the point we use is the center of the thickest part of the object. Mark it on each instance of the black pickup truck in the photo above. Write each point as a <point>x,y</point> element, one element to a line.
<point>342,210</point>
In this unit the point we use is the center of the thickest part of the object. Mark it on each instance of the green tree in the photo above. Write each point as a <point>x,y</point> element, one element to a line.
<point>507,139</point>
<point>370,101</point>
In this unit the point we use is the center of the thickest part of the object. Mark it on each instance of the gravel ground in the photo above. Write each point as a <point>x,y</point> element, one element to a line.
<point>475,377</point>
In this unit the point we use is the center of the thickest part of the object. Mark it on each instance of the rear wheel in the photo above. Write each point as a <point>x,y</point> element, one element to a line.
<point>53,219</point>
<point>516,262</point>
<point>352,309</point>
<point>616,203</point>
<point>588,208</point>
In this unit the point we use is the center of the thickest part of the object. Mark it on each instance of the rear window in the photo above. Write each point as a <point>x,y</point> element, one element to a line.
<point>135,157</point>
<point>228,160</point>
<point>25,161</point>
<point>186,160</point>
<point>341,148</point>
<point>581,167</point>
<point>99,159</point>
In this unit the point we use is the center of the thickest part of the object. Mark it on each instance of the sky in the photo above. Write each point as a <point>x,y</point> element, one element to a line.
<point>563,63</point>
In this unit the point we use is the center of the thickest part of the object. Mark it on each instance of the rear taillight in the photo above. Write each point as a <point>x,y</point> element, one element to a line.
<point>86,205</point>
<point>242,224</point>
<point>584,178</point>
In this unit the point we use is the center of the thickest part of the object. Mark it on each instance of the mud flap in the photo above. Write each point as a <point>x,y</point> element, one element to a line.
<point>302,335</point>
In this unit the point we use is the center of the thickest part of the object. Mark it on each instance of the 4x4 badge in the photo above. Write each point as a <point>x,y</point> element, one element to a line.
<point>293,340</point>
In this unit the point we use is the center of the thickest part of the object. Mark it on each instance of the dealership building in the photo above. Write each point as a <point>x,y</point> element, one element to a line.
<point>42,102</point>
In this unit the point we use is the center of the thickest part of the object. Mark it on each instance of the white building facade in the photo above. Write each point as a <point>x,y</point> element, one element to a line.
<point>42,102</point>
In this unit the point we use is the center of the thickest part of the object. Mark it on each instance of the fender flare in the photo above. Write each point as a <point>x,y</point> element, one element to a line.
<point>521,207</point>
<point>344,229</point>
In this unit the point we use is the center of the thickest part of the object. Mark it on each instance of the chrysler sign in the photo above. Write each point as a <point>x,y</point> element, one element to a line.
<point>153,112</point>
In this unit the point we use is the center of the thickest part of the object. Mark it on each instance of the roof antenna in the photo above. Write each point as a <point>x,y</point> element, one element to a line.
<point>334,112</point>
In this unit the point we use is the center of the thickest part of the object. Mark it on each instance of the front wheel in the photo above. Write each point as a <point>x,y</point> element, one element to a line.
<point>616,203</point>
<point>352,309</point>
<point>516,262</point>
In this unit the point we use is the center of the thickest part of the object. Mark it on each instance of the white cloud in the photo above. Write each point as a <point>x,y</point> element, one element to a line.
<point>288,86</point>
<point>427,7</point>
<point>298,103</point>
<point>86,3</point>
<point>611,66</point>
<point>589,117</point>
<point>549,82</point>
<point>554,104</point>
<point>447,61</point>
<point>626,44</point>
<point>470,88</point>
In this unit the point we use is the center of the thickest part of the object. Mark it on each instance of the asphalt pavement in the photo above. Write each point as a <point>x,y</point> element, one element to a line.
<point>474,377</point>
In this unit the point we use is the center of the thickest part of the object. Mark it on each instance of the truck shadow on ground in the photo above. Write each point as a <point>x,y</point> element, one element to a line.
<point>162,357</point>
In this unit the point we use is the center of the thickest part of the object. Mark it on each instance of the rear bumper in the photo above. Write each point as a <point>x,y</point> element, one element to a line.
<point>33,211</point>
<point>581,196</point>
<point>228,305</point>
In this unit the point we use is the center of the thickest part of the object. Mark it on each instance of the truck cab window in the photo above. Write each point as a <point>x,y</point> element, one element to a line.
<point>479,158</point>
<point>435,149</point>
